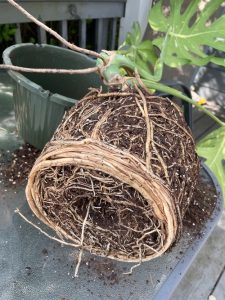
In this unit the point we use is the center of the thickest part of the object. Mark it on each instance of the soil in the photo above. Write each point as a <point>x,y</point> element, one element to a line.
<point>133,134</point>
<point>201,208</point>
<point>114,216</point>
<point>199,211</point>
<point>15,172</point>
<point>123,126</point>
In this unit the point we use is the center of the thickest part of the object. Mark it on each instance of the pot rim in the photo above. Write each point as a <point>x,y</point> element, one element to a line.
<point>32,86</point>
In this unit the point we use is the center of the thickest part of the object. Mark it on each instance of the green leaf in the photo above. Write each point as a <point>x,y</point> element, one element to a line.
<point>212,148</point>
<point>133,38</point>
<point>185,44</point>
<point>7,32</point>
<point>142,54</point>
<point>174,92</point>
<point>147,52</point>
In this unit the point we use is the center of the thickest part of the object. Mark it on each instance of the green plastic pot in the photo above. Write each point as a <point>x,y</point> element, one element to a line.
<point>40,100</point>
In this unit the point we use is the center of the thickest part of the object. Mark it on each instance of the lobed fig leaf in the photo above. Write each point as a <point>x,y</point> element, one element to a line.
<point>186,42</point>
<point>212,148</point>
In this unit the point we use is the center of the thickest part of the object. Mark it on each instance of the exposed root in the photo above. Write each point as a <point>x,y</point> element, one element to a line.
<point>81,242</point>
<point>149,138</point>
<point>135,266</point>
<point>43,232</point>
<point>78,262</point>
<point>115,168</point>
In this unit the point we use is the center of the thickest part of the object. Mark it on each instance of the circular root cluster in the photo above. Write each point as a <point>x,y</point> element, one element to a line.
<point>117,176</point>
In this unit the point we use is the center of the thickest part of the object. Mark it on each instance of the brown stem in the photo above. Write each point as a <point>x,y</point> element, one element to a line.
<point>52,71</point>
<point>52,32</point>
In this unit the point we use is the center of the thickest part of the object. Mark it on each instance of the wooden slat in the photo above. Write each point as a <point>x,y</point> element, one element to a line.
<point>101,34</point>
<point>113,34</point>
<point>135,11</point>
<point>64,30</point>
<point>18,38</point>
<point>105,33</point>
<point>62,10</point>
<point>82,33</point>
<point>42,38</point>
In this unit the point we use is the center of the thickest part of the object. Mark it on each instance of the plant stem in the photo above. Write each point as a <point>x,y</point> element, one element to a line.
<point>52,71</point>
<point>176,93</point>
<point>119,62</point>
<point>52,32</point>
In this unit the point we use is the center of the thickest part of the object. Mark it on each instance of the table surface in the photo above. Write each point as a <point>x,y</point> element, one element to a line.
<point>35,267</point>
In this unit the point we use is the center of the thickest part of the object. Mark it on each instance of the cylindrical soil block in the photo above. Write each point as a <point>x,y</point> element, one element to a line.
<point>117,176</point>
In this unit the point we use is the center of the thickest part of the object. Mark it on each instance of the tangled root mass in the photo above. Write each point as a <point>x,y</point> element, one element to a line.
<point>126,164</point>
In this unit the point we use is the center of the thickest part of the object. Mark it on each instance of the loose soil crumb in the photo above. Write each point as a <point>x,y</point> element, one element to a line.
<point>105,269</point>
<point>201,208</point>
<point>28,271</point>
<point>45,252</point>
<point>15,172</point>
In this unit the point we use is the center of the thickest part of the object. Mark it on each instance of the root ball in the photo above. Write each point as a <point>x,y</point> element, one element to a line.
<point>117,176</point>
